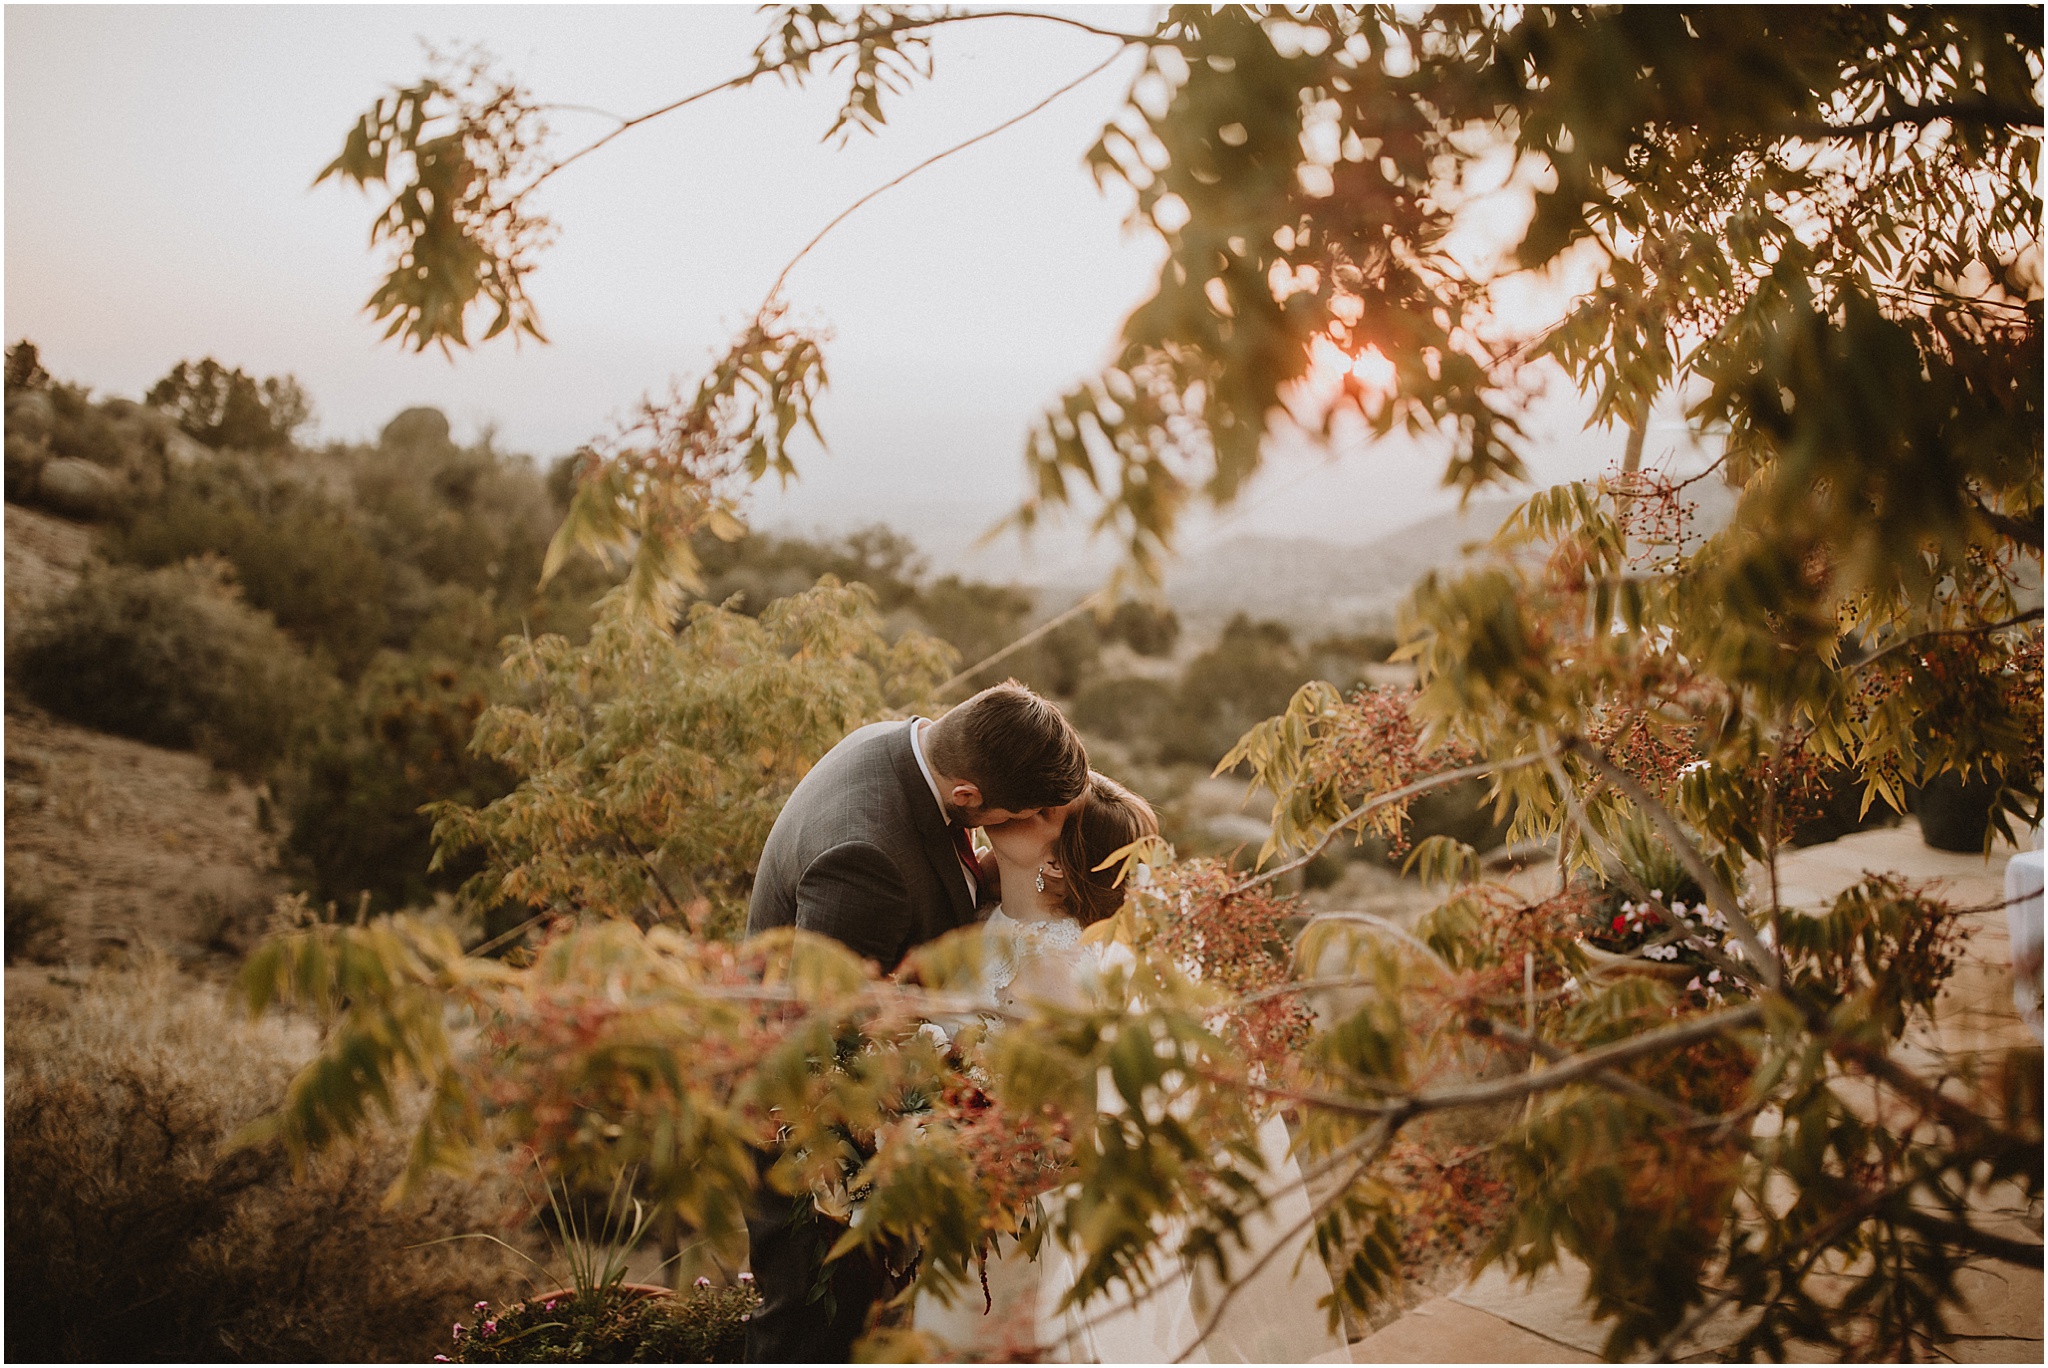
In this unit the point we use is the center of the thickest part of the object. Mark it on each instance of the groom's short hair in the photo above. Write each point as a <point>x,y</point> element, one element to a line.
<point>1017,748</point>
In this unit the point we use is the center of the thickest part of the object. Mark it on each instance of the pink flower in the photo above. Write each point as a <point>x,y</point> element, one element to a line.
<point>441,1358</point>
<point>703,1282</point>
<point>458,1329</point>
<point>547,1306</point>
<point>488,1327</point>
<point>481,1307</point>
<point>746,1277</point>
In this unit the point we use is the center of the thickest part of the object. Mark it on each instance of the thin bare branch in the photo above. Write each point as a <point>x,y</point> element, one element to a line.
<point>1021,642</point>
<point>933,160</point>
<point>1316,1213</point>
<point>769,68</point>
<point>1378,801</point>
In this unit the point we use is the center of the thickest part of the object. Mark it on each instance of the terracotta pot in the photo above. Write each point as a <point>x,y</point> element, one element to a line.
<point>631,1291</point>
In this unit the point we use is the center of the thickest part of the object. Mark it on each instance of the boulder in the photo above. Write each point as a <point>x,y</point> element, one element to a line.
<point>416,429</point>
<point>30,415</point>
<point>78,488</point>
<point>184,450</point>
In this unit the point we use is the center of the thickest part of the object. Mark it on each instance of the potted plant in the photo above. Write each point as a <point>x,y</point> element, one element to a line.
<point>600,1317</point>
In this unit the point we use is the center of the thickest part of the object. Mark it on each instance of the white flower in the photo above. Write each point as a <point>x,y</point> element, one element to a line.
<point>1714,976</point>
<point>1694,986</point>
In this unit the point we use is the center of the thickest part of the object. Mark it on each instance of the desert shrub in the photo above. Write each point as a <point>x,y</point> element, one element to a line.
<point>24,370</point>
<point>1460,812</point>
<point>699,1325</point>
<point>136,1235</point>
<point>33,925</point>
<point>1149,629</point>
<point>1955,812</point>
<point>403,742</point>
<point>297,555</point>
<point>978,619</point>
<point>1247,676</point>
<point>1133,711</point>
<point>764,567</point>
<point>175,658</point>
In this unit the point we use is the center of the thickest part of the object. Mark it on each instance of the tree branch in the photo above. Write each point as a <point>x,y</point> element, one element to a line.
<point>2019,619</point>
<point>2025,531</point>
<point>2025,1253</point>
<point>786,63</point>
<point>1379,801</point>
<point>1641,1094</point>
<point>1584,1065</point>
<point>667,895</point>
<point>1568,1070</point>
<point>932,160</point>
<point>1991,113</point>
<point>1316,1213</point>
<point>1718,893</point>
<point>1021,642</point>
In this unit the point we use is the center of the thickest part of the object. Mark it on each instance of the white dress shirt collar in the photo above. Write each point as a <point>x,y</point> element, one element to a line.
<point>924,767</point>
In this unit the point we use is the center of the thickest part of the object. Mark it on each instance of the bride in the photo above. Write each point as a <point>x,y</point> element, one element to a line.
<point>1052,891</point>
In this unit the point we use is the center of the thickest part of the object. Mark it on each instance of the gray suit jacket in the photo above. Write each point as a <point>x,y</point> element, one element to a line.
<point>861,853</point>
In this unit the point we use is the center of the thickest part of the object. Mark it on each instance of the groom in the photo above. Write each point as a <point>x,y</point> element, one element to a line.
<point>872,849</point>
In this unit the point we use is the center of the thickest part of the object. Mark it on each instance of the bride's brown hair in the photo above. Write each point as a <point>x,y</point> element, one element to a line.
<point>1111,819</point>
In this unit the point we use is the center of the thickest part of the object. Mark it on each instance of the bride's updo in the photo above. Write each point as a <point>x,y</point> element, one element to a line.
<point>1111,819</point>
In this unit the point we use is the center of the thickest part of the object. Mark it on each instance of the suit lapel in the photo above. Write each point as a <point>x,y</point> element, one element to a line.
<point>933,834</point>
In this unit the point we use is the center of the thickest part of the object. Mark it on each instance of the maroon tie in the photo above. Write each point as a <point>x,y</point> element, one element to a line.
<point>963,845</point>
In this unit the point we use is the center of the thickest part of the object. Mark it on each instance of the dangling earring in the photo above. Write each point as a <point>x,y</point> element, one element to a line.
<point>1040,880</point>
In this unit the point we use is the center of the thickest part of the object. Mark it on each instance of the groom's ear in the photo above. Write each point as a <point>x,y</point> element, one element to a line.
<point>966,795</point>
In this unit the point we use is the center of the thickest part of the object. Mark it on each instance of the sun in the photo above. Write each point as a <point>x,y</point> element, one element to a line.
<point>1365,377</point>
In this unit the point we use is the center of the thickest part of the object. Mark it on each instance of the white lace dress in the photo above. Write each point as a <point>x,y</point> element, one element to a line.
<point>1273,1320</point>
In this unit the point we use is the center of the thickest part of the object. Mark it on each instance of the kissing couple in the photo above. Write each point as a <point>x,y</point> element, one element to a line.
<point>874,849</point>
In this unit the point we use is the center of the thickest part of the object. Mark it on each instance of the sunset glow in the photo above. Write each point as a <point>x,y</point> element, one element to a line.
<point>1367,376</point>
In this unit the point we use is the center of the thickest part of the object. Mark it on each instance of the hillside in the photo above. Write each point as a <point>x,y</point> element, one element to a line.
<point>113,844</point>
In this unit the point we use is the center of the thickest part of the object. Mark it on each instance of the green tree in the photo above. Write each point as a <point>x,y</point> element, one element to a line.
<point>1813,230</point>
<point>225,408</point>
<point>650,766</point>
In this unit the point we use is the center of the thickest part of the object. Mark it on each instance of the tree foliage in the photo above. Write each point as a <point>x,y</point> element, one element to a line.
<point>650,765</point>
<point>225,408</point>
<point>1812,230</point>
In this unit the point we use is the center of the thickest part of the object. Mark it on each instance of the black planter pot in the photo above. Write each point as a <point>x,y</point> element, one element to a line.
<point>1953,814</point>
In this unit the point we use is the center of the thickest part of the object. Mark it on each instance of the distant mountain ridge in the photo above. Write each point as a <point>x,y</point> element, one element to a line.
<point>1319,586</point>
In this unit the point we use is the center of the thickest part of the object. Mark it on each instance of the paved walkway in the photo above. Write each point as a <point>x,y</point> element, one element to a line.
<point>1494,1320</point>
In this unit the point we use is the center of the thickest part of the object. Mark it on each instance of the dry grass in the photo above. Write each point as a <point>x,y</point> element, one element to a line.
<point>133,1233</point>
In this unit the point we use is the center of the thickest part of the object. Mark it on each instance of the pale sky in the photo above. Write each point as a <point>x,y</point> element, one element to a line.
<point>159,161</point>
